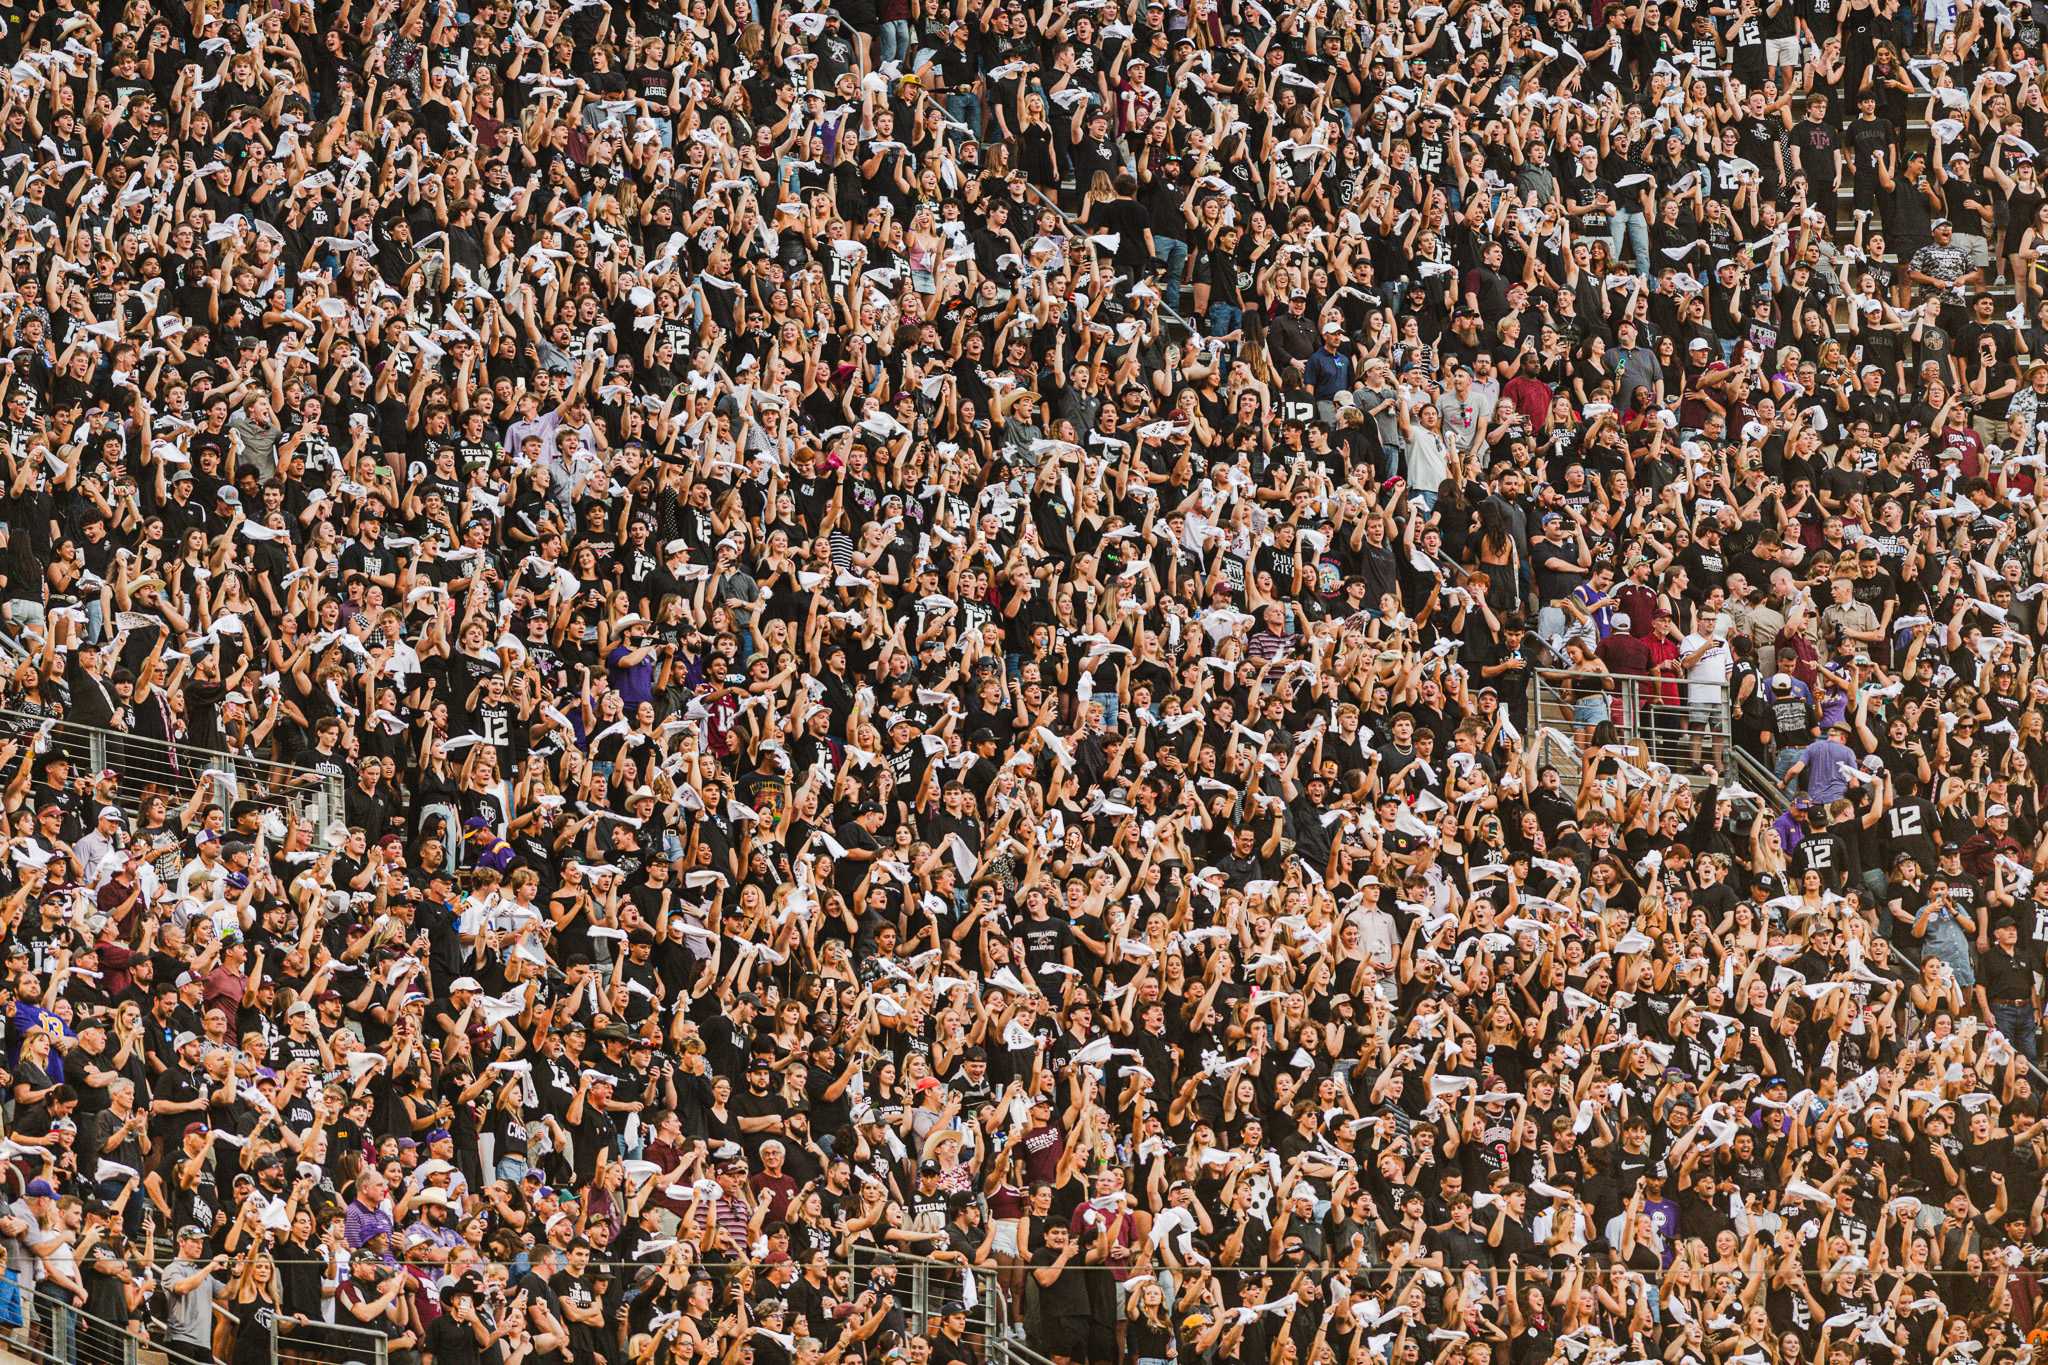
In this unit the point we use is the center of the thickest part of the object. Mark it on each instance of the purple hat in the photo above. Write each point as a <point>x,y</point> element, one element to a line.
<point>41,1189</point>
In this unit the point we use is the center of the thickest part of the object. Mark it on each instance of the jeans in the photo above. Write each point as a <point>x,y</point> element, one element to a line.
<point>896,41</point>
<point>2020,1025</point>
<point>1636,228</point>
<point>1788,754</point>
<point>1173,255</point>
<point>1109,703</point>
<point>1224,318</point>
<point>964,106</point>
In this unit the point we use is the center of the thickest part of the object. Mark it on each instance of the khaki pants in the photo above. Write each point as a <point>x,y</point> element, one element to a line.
<point>1978,248</point>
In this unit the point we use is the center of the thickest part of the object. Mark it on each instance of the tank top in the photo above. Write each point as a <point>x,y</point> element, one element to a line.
<point>1007,1202</point>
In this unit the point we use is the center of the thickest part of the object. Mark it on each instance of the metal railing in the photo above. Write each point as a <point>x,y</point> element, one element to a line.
<point>1751,772</point>
<point>925,1290</point>
<point>53,1333</point>
<point>1685,735</point>
<point>325,1343</point>
<point>317,1343</point>
<point>995,1326</point>
<point>928,1290</point>
<point>1695,740</point>
<point>145,767</point>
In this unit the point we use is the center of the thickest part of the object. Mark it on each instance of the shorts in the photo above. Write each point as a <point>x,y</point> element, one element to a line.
<point>1975,246</point>
<point>1064,1336</point>
<point>1781,51</point>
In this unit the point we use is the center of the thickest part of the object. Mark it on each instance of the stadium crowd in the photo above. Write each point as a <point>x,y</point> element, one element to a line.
<point>723,684</point>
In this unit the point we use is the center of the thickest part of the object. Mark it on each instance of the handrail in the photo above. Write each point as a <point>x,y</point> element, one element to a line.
<point>1601,678</point>
<point>55,1333</point>
<point>1690,737</point>
<point>1758,778</point>
<point>143,766</point>
<point>375,1340</point>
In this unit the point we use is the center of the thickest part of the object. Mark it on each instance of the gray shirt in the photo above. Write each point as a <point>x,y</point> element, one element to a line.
<point>1536,183</point>
<point>1387,423</point>
<point>1639,365</point>
<point>191,1320</point>
<point>259,445</point>
<point>20,1259</point>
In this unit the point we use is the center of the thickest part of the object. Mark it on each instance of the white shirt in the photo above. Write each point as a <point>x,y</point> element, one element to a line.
<point>1428,465</point>
<point>1707,680</point>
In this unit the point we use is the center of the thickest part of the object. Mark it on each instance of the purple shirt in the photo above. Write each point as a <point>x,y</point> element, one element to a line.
<point>1825,760</point>
<point>633,682</point>
<point>363,1223</point>
<point>1790,831</point>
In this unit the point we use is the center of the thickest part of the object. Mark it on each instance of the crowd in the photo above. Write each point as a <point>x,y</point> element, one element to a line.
<point>757,684</point>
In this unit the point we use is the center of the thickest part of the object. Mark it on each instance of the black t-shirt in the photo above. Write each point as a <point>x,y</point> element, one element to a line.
<point>1046,941</point>
<point>1067,1296</point>
<point>1827,854</point>
<point>597,1132</point>
<point>1816,142</point>
<point>747,1105</point>
<point>1460,1248</point>
<point>450,1342</point>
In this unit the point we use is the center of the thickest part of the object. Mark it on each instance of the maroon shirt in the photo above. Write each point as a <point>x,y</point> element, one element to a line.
<point>1043,1148</point>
